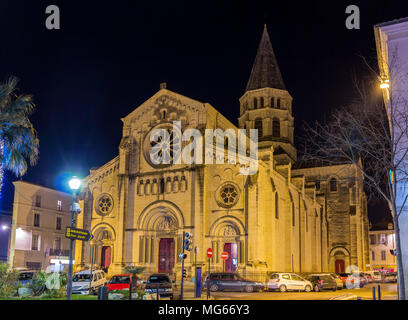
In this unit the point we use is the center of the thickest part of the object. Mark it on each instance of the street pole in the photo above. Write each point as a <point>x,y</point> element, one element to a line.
<point>182,271</point>
<point>208,279</point>
<point>92,257</point>
<point>71,244</point>
<point>195,271</point>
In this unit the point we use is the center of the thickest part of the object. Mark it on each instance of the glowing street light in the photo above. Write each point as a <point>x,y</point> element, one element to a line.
<point>74,185</point>
<point>385,84</point>
<point>4,227</point>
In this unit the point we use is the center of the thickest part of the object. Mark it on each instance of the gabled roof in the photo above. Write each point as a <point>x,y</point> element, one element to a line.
<point>265,71</point>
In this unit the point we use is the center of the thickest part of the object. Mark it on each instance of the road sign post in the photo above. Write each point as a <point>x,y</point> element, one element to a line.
<point>209,255</point>
<point>224,256</point>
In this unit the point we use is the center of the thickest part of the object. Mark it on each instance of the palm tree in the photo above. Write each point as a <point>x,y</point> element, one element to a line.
<point>18,138</point>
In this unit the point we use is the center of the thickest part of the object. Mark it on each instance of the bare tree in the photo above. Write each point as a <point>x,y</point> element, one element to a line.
<point>361,134</point>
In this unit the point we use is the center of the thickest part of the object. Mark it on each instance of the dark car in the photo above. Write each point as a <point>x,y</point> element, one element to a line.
<point>390,278</point>
<point>228,281</point>
<point>159,283</point>
<point>348,280</point>
<point>25,278</point>
<point>322,282</point>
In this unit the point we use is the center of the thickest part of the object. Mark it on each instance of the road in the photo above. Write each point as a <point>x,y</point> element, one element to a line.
<point>388,292</point>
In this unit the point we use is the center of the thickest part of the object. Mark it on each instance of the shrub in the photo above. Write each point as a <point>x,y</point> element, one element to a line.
<point>8,281</point>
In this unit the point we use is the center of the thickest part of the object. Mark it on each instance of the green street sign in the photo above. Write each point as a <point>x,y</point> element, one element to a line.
<point>77,234</point>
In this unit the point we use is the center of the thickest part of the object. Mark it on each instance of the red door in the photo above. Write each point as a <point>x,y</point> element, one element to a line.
<point>339,266</point>
<point>166,255</point>
<point>231,263</point>
<point>106,256</point>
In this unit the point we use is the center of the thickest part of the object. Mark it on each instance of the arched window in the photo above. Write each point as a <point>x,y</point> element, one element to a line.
<point>275,127</point>
<point>272,102</point>
<point>258,125</point>
<point>262,102</point>
<point>278,105</point>
<point>333,185</point>
<point>255,103</point>
<point>293,213</point>
<point>276,205</point>
<point>161,185</point>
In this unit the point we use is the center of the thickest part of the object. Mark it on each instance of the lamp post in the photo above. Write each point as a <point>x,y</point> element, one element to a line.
<point>74,185</point>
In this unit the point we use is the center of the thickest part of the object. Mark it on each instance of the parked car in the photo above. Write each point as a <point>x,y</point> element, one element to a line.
<point>348,277</point>
<point>288,281</point>
<point>390,278</point>
<point>362,278</point>
<point>375,275</point>
<point>122,282</point>
<point>25,278</point>
<point>368,276</point>
<point>322,282</point>
<point>159,282</point>
<point>86,283</point>
<point>338,280</point>
<point>223,281</point>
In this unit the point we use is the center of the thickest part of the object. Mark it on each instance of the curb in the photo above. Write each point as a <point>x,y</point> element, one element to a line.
<point>345,297</point>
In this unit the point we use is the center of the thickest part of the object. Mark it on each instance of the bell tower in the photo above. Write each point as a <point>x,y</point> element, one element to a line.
<point>267,106</point>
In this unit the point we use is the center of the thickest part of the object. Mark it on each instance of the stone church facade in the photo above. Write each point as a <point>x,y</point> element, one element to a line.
<point>286,217</point>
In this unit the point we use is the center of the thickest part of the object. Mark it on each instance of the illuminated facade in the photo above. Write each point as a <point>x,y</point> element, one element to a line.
<point>275,220</point>
<point>382,241</point>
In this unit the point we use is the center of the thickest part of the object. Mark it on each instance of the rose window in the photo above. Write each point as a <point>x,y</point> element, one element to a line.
<point>228,195</point>
<point>104,205</point>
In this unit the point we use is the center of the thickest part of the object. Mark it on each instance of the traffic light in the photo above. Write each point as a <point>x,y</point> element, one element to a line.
<point>188,242</point>
<point>393,252</point>
<point>184,273</point>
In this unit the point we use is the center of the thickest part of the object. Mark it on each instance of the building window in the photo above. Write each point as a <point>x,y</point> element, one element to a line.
<point>293,213</point>
<point>382,238</point>
<point>57,244</point>
<point>35,242</point>
<point>36,219</point>
<point>59,223</point>
<point>59,205</point>
<point>278,103</point>
<point>353,210</point>
<point>272,102</point>
<point>383,255</point>
<point>38,201</point>
<point>372,255</point>
<point>275,127</point>
<point>33,265</point>
<point>372,239</point>
<point>333,185</point>
<point>258,126</point>
<point>262,102</point>
<point>161,185</point>
<point>276,205</point>
<point>318,185</point>
<point>255,103</point>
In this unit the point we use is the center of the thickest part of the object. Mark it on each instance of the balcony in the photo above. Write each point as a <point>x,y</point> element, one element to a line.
<point>56,252</point>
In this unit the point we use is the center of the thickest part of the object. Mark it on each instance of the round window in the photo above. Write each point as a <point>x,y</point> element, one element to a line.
<point>227,195</point>
<point>104,205</point>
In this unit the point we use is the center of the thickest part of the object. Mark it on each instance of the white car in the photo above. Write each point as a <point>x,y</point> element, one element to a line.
<point>83,284</point>
<point>288,281</point>
<point>376,275</point>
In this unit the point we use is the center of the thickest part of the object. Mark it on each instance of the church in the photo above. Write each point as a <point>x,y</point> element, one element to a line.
<point>288,217</point>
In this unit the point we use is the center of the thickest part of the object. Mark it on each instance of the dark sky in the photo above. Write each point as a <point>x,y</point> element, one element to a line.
<point>110,57</point>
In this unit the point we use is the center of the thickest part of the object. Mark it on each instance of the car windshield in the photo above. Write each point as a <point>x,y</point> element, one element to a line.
<point>82,278</point>
<point>158,279</point>
<point>119,279</point>
<point>25,276</point>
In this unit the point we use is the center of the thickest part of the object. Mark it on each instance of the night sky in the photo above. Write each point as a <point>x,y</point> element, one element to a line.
<point>110,57</point>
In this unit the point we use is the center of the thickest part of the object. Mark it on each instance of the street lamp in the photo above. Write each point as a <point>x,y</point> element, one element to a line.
<point>74,185</point>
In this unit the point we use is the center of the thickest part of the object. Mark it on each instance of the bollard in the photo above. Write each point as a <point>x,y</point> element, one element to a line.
<point>103,293</point>
<point>373,293</point>
<point>379,292</point>
<point>130,291</point>
<point>358,298</point>
<point>157,291</point>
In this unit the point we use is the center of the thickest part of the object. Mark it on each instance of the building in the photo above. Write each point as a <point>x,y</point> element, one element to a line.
<point>382,241</point>
<point>392,52</point>
<point>286,217</point>
<point>40,216</point>
<point>5,227</point>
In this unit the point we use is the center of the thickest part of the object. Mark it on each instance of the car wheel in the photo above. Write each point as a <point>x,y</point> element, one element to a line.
<point>316,288</point>
<point>335,288</point>
<point>214,288</point>
<point>308,288</point>
<point>282,288</point>
<point>249,289</point>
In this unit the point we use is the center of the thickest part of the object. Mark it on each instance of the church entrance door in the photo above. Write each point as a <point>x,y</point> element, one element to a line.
<point>166,255</point>
<point>339,266</point>
<point>231,263</point>
<point>106,256</point>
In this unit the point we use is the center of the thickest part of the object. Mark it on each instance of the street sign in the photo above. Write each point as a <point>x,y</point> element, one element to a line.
<point>209,253</point>
<point>224,255</point>
<point>77,234</point>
